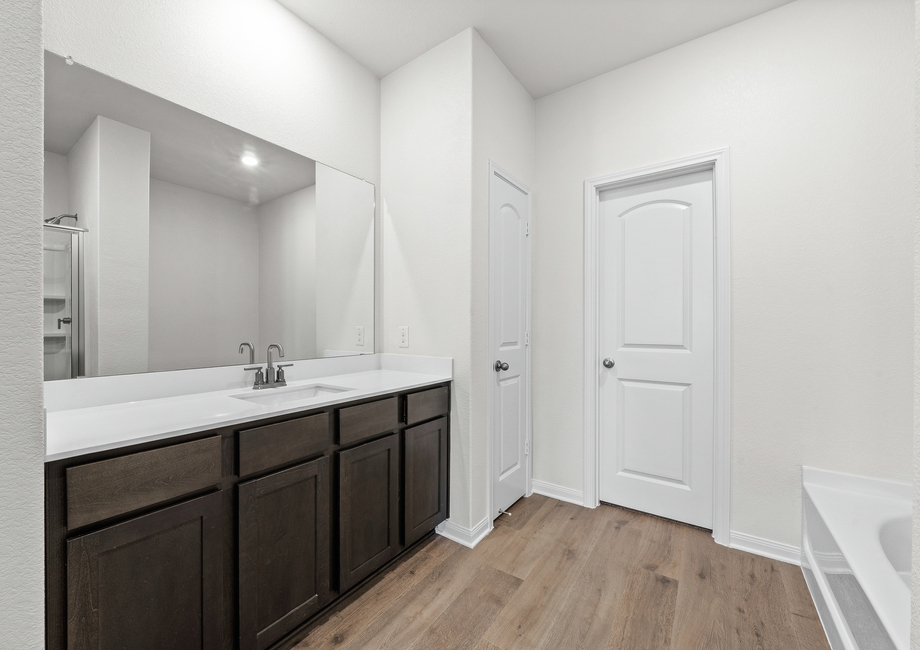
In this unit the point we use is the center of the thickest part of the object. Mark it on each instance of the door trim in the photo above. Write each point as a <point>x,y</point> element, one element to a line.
<point>495,170</point>
<point>718,162</point>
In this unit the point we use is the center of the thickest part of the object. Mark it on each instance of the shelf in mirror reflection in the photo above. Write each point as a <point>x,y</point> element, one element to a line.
<point>280,396</point>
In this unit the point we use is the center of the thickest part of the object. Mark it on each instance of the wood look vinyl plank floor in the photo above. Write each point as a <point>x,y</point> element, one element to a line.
<point>555,576</point>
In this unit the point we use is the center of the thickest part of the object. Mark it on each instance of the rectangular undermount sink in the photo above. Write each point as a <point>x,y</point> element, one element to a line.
<point>280,396</point>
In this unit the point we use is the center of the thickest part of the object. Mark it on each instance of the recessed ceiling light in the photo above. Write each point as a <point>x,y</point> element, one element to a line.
<point>249,160</point>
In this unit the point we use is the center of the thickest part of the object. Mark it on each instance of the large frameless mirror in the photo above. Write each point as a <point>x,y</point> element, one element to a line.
<point>171,238</point>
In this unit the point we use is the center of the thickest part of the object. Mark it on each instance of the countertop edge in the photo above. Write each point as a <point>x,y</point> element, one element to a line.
<point>242,419</point>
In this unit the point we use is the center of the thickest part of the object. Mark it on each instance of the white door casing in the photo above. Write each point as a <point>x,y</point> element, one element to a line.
<point>509,323</point>
<point>655,329</point>
<point>671,396</point>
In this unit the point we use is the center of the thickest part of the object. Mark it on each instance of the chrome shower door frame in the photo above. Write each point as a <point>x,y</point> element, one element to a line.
<point>77,284</point>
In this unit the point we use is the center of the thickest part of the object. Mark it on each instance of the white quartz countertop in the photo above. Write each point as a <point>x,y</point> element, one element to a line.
<point>76,431</point>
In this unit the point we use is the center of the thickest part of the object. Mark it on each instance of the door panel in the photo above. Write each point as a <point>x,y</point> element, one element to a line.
<point>368,508</point>
<point>655,286</point>
<point>425,495</point>
<point>509,286</point>
<point>284,551</point>
<point>655,430</point>
<point>656,323</point>
<point>148,583</point>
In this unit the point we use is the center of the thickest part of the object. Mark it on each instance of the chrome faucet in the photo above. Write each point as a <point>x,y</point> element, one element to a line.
<point>273,376</point>
<point>252,351</point>
<point>270,377</point>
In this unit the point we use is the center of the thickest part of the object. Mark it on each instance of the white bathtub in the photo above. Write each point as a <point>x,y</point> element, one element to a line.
<point>856,558</point>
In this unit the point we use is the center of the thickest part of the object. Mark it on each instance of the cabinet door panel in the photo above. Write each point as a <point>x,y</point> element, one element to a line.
<point>284,551</point>
<point>425,495</point>
<point>368,508</point>
<point>149,583</point>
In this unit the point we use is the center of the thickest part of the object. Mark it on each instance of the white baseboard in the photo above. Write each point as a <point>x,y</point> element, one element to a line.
<point>558,492</point>
<point>766,547</point>
<point>462,535</point>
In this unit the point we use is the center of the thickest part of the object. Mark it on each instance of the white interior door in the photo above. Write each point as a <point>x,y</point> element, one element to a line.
<point>509,298</point>
<point>656,347</point>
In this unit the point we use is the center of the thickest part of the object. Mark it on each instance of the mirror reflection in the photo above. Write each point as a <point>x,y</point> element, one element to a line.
<point>171,238</point>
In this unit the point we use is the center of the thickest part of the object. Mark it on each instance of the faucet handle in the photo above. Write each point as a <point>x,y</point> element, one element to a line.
<point>260,378</point>
<point>279,376</point>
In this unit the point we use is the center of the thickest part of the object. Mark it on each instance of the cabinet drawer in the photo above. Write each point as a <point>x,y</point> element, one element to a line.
<point>108,488</point>
<point>276,444</point>
<point>366,420</point>
<point>426,405</point>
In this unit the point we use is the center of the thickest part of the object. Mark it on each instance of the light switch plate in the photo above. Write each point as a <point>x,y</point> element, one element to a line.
<point>403,336</point>
<point>360,338</point>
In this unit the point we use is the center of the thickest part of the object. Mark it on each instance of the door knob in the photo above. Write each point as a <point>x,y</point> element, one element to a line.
<point>499,366</point>
<point>609,363</point>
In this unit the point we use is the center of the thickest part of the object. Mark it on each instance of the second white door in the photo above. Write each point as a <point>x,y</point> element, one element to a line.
<point>509,297</point>
<point>656,345</point>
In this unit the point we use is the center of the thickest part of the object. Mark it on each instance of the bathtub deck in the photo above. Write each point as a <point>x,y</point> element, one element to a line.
<point>555,576</point>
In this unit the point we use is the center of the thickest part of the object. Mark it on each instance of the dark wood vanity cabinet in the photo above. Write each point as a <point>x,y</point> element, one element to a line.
<point>425,497</point>
<point>148,583</point>
<point>283,551</point>
<point>234,539</point>
<point>368,508</point>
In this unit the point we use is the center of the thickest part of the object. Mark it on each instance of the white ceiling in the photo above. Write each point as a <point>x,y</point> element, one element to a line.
<point>186,148</point>
<point>547,44</point>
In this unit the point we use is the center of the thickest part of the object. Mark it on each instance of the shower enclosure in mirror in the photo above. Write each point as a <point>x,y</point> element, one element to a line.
<point>198,236</point>
<point>62,252</point>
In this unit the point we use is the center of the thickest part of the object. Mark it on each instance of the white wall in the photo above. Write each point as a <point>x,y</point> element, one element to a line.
<point>444,116</point>
<point>22,549</point>
<point>204,278</point>
<point>56,190</point>
<point>249,63</point>
<point>344,261</point>
<point>121,241</point>
<point>109,177</point>
<point>503,131</point>
<point>915,553</point>
<point>815,101</point>
<point>426,190</point>
<point>287,275</point>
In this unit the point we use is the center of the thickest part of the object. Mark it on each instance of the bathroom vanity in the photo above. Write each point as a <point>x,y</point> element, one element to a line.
<point>235,535</point>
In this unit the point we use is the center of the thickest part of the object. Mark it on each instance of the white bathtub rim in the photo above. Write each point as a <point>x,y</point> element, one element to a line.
<point>867,485</point>
<point>837,495</point>
<point>839,620</point>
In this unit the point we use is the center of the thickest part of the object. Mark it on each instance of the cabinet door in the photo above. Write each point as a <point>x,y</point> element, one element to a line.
<point>425,495</point>
<point>368,508</point>
<point>284,551</point>
<point>149,583</point>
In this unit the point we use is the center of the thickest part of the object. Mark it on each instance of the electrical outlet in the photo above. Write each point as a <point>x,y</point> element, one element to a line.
<point>360,338</point>
<point>403,336</point>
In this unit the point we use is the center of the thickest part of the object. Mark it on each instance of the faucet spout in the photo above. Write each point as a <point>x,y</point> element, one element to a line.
<point>252,351</point>
<point>270,370</point>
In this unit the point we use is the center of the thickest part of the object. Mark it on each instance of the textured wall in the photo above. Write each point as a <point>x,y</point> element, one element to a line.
<point>503,118</point>
<point>22,597</point>
<point>815,101</point>
<point>426,140</point>
<point>249,63</point>
<point>915,553</point>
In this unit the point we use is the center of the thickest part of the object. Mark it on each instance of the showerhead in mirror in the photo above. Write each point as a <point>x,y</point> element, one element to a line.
<point>56,220</point>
